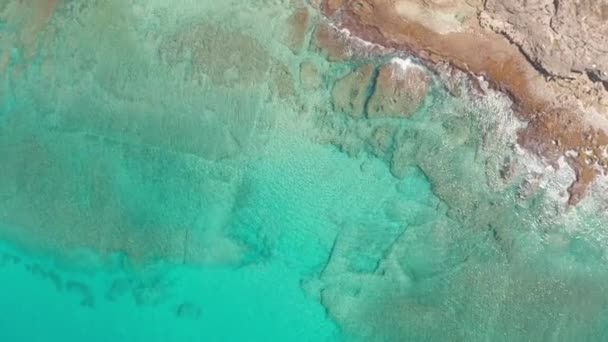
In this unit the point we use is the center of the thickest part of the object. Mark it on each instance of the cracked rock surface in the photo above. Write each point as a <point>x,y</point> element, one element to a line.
<point>561,37</point>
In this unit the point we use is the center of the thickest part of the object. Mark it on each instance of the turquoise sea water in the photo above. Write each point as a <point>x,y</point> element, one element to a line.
<point>168,174</point>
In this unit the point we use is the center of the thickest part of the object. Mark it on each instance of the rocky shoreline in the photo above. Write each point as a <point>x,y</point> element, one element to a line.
<point>564,105</point>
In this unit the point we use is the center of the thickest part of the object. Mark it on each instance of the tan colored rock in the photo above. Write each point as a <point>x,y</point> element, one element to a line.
<point>350,92</point>
<point>310,76</point>
<point>329,41</point>
<point>299,24</point>
<point>401,87</point>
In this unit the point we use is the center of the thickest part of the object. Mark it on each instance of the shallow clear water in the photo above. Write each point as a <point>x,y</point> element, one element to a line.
<point>168,175</point>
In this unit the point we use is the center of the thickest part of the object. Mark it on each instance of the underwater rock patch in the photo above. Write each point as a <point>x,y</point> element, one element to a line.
<point>350,93</point>
<point>400,89</point>
<point>299,24</point>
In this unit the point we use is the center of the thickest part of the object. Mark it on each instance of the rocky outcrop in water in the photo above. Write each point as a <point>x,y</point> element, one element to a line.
<point>395,89</point>
<point>350,93</point>
<point>400,88</point>
<point>547,56</point>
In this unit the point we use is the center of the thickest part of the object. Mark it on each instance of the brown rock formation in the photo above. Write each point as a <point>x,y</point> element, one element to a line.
<point>395,89</point>
<point>350,93</point>
<point>329,40</point>
<point>400,89</point>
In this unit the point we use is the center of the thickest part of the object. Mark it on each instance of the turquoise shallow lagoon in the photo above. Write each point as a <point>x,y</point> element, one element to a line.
<point>183,171</point>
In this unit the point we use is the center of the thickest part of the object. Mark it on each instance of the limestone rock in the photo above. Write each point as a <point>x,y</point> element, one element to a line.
<point>401,87</point>
<point>350,93</point>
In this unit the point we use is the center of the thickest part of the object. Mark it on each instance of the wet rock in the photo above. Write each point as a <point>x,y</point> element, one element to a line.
<point>299,23</point>
<point>579,188</point>
<point>350,93</point>
<point>329,41</point>
<point>310,76</point>
<point>401,87</point>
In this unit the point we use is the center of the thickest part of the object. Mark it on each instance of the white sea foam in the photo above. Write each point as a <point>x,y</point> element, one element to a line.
<point>406,63</point>
<point>357,41</point>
